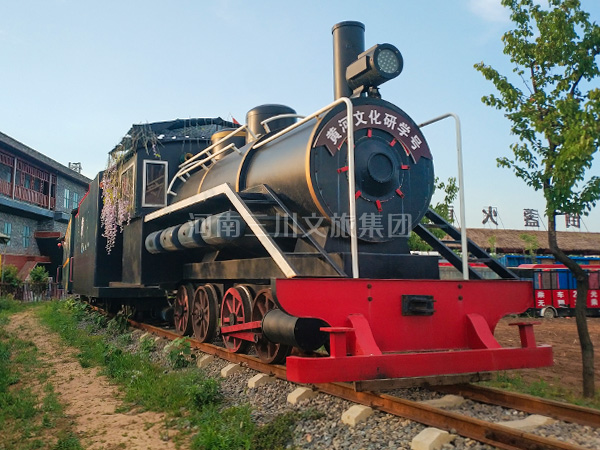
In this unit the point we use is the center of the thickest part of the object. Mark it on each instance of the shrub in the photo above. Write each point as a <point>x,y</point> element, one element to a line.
<point>39,280</point>
<point>179,353</point>
<point>38,274</point>
<point>206,391</point>
<point>10,280</point>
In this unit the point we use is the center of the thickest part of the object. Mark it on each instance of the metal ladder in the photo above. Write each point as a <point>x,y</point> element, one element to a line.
<point>478,254</point>
<point>260,197</point>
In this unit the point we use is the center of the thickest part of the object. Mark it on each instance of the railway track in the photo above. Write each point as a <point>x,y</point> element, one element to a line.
<point>494,434</point>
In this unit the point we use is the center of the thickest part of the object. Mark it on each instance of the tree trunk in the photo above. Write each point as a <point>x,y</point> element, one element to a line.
<point>587,347</point>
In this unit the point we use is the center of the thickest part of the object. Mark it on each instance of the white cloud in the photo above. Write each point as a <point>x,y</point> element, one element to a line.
<point>490,10</point>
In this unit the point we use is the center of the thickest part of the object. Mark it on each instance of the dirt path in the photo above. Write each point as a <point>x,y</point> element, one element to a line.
<point>561,334</point>
<point>89,399</point>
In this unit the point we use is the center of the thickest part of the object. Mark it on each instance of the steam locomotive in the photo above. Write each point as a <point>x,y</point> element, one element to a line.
<point>291,232</point>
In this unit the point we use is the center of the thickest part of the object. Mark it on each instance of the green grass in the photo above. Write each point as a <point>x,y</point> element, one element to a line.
<point>68,441</point>
<point>29,418</point>
<point>8,306</point>
<point>539,388</point>
<point>192,401</point>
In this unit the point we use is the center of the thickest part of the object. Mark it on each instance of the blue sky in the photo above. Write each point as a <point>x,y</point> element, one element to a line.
<point>76,74</point>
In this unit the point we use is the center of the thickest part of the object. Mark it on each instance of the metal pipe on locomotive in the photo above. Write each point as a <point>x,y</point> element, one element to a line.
<point>292,232</point>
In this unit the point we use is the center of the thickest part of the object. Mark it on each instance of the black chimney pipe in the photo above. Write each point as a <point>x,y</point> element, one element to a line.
<point>348,43</point>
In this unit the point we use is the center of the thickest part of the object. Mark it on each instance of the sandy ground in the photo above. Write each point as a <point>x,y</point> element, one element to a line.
<point>561,334</point>
<point>90,400</point>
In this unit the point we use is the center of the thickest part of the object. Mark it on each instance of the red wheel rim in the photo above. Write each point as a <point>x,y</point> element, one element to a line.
<point>181,310</point>
<point>235,309</point>
<point>204,313</point>
<point>269,352</point>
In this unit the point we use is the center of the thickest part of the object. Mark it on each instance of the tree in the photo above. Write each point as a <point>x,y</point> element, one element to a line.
<point>531,245</point>
<point>39,281</point>
<point>556,119</point>
<point>493,240</point>
<point>10,280</point>
<point>450,190</point>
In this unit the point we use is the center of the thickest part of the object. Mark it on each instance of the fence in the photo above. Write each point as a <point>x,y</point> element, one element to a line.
<point>33,292</point>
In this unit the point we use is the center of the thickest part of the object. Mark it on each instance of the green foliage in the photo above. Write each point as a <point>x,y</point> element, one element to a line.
<point>206,392</point>
<point>14,403</point>
<point>117,325</point>
<point>39,281</point>
<point>9,305</point>
<point>531,245</point>
<point>556,118</point>
<point>539,388</point>
<point>555,114</point>
<point>10,278</point>
<point>145,384</point>
<point>24,415</point>
<point>276,434</point>
<point>38,274</point>
<point>146,345</point>
<point>492,240</point>
<point>179,353</point>
<point>187,394</point>
<point>68,442</point>
<point>450,189</point>
<point>76,308</point>
<point>227,429</point>
<point>118,201</point>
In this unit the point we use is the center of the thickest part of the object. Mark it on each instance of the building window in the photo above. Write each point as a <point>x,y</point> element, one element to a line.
<point>75,200</point>
<point>155,183</point>
<point>7,230</point>
<point>26,235</point>
<point>67,198</point>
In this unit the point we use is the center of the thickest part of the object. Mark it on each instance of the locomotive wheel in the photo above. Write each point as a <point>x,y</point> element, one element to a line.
<point>205,312</point>
<point>108,305</point>
<point>267,351</point>
<point>182,310</point>
<point>235,309</point>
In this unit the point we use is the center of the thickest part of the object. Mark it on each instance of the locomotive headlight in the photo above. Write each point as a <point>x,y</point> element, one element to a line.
<point>387,60</point>
<point>373,67</point>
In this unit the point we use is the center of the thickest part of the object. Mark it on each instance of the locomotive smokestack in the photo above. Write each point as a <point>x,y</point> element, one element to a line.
<point>348,43</point>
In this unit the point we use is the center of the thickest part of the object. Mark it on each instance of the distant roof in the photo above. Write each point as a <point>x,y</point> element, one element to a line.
<point>509,241</point>
<point>15,146</point>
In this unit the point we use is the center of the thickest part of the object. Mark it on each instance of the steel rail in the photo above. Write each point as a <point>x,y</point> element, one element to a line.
<point>490,433</point>
<point>246,360</point>
<point>528,403</point>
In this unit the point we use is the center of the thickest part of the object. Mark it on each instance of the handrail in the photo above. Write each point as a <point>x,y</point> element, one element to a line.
<point>265,122</point>
<point>189,165</point>
<point>187,170</point>
<point>461,191</point>
<point>351,181</point>
<point>209,148</point>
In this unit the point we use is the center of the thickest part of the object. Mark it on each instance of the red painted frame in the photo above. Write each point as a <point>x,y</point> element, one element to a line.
<point>370,338</point>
